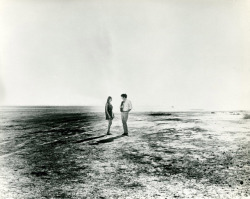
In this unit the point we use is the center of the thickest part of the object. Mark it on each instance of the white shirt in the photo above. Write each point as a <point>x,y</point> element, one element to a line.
<point>127,105</point>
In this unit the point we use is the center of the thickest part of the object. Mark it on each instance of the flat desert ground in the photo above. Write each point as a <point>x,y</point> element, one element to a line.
<point>58,152</point>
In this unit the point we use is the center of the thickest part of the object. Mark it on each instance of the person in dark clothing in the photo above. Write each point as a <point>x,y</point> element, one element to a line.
<point>109,113</point>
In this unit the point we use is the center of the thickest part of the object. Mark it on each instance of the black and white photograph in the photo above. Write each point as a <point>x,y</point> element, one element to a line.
<point>124,99</point>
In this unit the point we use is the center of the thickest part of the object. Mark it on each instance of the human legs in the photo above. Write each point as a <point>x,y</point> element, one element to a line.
<point>109,125</point>
<point>124,122</point>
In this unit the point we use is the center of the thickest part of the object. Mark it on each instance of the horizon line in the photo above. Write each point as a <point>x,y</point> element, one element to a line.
<point>173,109</point>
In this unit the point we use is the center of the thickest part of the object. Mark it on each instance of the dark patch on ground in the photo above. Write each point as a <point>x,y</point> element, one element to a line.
<point>246,117</point>
<point>196,129</point>
<point>160,114</point>
<point>171,119</point>
<point>39,173</point>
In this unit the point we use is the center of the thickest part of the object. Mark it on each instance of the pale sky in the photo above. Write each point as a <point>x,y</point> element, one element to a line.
<point>190,54</point>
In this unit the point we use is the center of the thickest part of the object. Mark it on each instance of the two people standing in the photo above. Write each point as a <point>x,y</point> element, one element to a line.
<point>125,108</point>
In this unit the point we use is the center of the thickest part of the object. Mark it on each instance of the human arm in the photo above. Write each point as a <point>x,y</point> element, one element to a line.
<point>129,106</point>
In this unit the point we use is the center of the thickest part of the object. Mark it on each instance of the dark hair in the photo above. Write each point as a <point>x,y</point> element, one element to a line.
<point>124,95</point>
<point>108,99</point>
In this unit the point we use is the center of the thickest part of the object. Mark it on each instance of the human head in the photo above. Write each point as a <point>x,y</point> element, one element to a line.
<point>109,99</point>
<point>124,96</point>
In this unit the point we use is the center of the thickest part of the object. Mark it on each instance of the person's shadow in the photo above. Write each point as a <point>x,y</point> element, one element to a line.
<point>88,139</point>
<point>106,140</point>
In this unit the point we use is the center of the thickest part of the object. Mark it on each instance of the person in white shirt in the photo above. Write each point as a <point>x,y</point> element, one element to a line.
<point>125,108</point>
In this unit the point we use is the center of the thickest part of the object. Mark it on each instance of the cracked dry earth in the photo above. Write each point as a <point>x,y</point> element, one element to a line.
<point>66,154</point>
